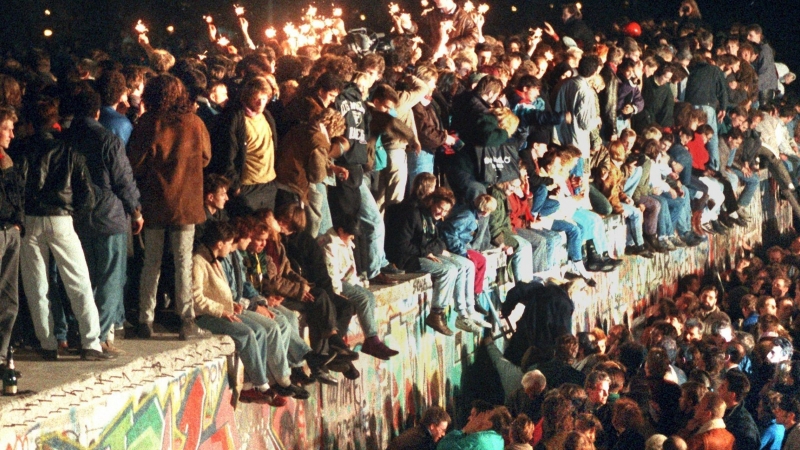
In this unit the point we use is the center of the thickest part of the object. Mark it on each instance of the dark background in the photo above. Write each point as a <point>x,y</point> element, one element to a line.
<point>85,24</point>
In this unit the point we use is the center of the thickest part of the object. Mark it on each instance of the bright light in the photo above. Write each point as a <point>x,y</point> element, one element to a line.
<point>468,6</point>
<point>271,33</point>
<point>140,27</point>
<point>362,17</point>
<point>312,11</point>
<point>513,8</point>
<point>483,8</point>
<point>48,32</point>
<point>170,29</point>
<point>223,41</point>
<point>46,12</point>
<point>337,12</point>
<point>239,10</point>
<point>209,19</point>
<point>424,3</point>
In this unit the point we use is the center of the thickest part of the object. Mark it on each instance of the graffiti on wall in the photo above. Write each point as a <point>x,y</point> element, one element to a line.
<point>192,411</point>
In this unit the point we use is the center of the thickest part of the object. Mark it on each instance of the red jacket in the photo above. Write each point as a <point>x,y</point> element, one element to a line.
<point>716,439</point>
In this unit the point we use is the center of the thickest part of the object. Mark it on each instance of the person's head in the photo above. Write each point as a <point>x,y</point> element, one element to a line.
<point>721,330</point>
<point>674,442</point>
<point>440,202</point>
<point>578,441</point>
<point>558,413</point>
<point>780,286</point>
<point>347,228</point>
<point>626,415</point>
<point>712,406</point>
<point>218,93</point>
<point>423,185</point>
<point>708,297</point>
<point>571,10</point>
<point>385,98</point>
<point>628,139</point>
<point>373,64</point>
<point>657,363</point>
<point>7,119</point>
<point>328,87</point>
<point>86,103</point>
<point>445,5</point>
<point>689,9</point>
<point>112,87</point>
<point>693,330</point>
<point>521,429</point>
<point>291,217</point>
<point>754,33</point>
<point>533,383</point>
<point>435,420</point>
<point>165,94</point>
<point>244,231</point>
<point>588,425</point>
<point>766,305</point>
<point>489,88</point>
<point>485,204</point>
<point>589,66</point>
<point>259,236</point>
<point>788,411</point>
<point>218,237</point>
<point>480,411</point>
<point>691,394</point>
<point>256,94</point>
<point>215,192</point>
<point>530,87</point>
<point>663,74</point>
<point>566,347</point>
<point>735,386</point>
<point>597,387</point>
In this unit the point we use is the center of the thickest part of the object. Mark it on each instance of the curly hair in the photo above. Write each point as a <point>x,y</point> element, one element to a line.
<point>165,94</point>
<point>333,121</point>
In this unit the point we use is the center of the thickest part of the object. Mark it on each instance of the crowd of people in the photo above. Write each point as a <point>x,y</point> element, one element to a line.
<point>283,181</point>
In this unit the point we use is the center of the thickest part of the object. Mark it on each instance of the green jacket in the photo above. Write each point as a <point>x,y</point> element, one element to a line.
<point>482,440</point>
<point>500,222</point>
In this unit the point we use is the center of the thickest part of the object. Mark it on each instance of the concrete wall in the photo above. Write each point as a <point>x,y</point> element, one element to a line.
<point>161,403</point>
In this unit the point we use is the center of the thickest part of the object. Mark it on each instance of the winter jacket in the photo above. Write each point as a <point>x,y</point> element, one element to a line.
<point>764,65</point>
<point>356,117</point>
<point>629,94</point>
<point>168,154</point>
<point>500,221</point>
<point>303,158</point>
<point>706,86</point>
<point>211,293</point>
<point>741,425</point>
<point>608,102</point>
<point>242,289</point>
<point>116,194</point>
<point>474,123</point>
<point>384,127</point>
<point>116,123</point>
<point>482,440</point>
<point>56,178</point>
<point>229,143</point>
<point>577,97</point>
<point>659,102</point>
<point>407,99</point>
<point>458,229</point>
<point>430,132</point>
<point>414,235</point>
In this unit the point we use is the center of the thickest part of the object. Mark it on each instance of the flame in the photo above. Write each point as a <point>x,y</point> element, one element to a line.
<point>48,32</point>
<point>271,33</point>
<point>290,30</point>
<point>312,11</point>
<point>46,12</point>
<point>513,8</point>
<point>468,6</point>
<point>170,29</point>
<point>579,6</point>
<point>394,8</point>
<point>318,24</point>
<point>337,12</point>
<point>305,28</point>
<point>483,8</point>
<point>424,3</point>
<point>239,10</point>
<point>223,41</point>
<point>140,27</point>
<point>208,19</point>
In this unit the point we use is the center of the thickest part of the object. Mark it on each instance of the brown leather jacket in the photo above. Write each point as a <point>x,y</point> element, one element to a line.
<point>463,35</point>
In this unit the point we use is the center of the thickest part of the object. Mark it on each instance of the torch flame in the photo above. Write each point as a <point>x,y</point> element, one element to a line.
<point>140,27</point>
<point>239,10</point>
<point>271,33</point>
<point>468,6</point>
<point>337,12</point>
<point>483,8</point>
<point>208,19</point>
<point>424,3</point>
<point>223,41</point>
<point>312,11</point>
<point>305,28</point>
<point>394,8</point>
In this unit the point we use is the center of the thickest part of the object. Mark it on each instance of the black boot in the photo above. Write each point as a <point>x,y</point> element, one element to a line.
<point>594,262</point>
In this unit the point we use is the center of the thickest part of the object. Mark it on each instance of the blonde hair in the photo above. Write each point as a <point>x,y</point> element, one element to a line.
<point>506,119</point>
<point>485,203</point>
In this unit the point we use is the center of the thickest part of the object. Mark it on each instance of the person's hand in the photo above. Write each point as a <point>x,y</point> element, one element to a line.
<point>673,175</point>
<point>244,24</point>
<point>264,311</point>
<point>747,171</point>
<point>143,39</point>
<point>568,118</point>
<point>212,32</point>
<point>479,20</point>
<point>274,300</point>
<point>641,207</point>
<point>5,161</point>
<point>307,295</point>
<point>627,110</point>
<point>629,201</point>
<point>450,140</point>
<point>433,258</point>
<point>231,317</point>
<point>137,224</point>
<point>720,116</point>
<point>673,193</point>
<point>340,172</point>
<point>784,157</point>
<point>414,146</point>
<point>445,253</point>
<point>238,308</point>
<point>549,29</point>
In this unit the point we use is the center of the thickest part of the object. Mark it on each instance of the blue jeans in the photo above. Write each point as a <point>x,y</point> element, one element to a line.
<point>444,277</point>
<point>592,227</point>
<point>417,164</point>
<point>373,228</point>
<point>750,187</point>
<point>251,341</point>
<point>633,181</point>
<point>522,260</point>
<point>539,194</point>
<point>713,143</point>
<point>574,238</point>
<point>542,249</point>
<point>107,258</point>
<point>464,288</point>
<point>318,211</point>
<point>290,327</point>
<point>364,303</point>
<point>665,225</point>
<point>181,238</point>
<point>634,221</point>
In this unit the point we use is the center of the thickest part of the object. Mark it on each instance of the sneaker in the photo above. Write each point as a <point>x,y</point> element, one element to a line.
<point>480,321</point>
<point>89,354</point>
<point>145,330</point>
<point>391,269</point>
<point>108,347</point>
<point>437,322</point>
<point>466,324</point>
<point>319,360</point>
<point>374,347</point>
<point>718,227</point>
<point>291,391</point>
<point>743,214</point>
<point>262,397</point>
<point>188,331</point>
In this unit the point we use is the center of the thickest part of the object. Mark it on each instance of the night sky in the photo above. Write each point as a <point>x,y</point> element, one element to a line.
<point>100,22</point>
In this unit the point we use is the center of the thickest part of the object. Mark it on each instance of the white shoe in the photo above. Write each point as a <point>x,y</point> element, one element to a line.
<point>466,324</point>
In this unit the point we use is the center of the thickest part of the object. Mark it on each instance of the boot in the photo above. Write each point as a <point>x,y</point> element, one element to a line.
<point>436,321</point>
<point>595,262</point>
<point>652,241</point>
<point>697,223</point>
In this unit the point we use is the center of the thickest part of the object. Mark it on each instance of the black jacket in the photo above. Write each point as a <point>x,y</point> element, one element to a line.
<point>658,102</point>
<point>11,195</point>
<point>229,144</point>
<point>707,86</point>
<point>356,118</point>
<point>417,438</point>
<point>742,426</point>
<point>474,123</point>
<point>413,235</point>
<point>57,180</point>
<point>115,190</point>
